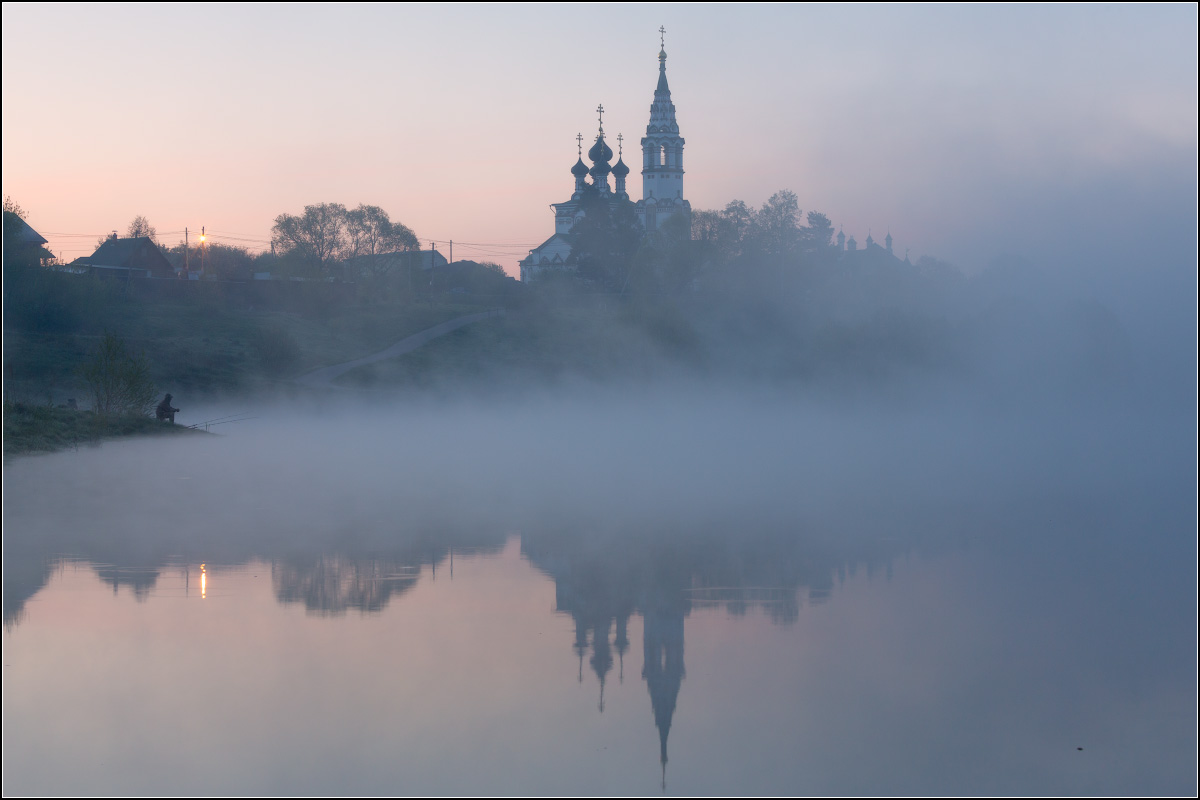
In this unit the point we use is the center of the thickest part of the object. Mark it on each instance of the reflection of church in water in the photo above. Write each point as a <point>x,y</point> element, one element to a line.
<point>601,583</point>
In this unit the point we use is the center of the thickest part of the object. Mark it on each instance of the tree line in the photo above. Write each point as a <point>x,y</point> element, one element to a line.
<point>612,253</point>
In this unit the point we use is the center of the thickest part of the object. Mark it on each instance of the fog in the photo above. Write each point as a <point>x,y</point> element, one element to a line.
<point>1007,463</point>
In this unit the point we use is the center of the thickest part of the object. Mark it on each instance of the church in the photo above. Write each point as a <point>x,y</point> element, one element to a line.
<point>662,180</point>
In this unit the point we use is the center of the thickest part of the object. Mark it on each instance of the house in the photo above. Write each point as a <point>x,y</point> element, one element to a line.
<point>137,257</point>
<point>384,263</point>
<point>21,239</point>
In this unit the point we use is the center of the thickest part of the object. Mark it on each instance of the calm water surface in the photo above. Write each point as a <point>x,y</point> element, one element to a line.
<point>756,658</point>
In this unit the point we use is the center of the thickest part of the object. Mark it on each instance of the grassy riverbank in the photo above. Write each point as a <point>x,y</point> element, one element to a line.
<point>199,347</point>
<point>43,429</point>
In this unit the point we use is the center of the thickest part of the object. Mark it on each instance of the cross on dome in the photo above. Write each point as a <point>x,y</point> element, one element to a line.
<point>662,32</point>
<point>579,144</point>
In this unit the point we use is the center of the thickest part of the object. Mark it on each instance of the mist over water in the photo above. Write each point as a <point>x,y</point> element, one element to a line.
<point>722,504</point>
<point>1037,546</point>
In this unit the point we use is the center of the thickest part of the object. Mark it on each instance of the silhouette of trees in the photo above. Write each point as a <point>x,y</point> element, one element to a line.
<point>328,234</point>
<point>140,226</point>
<point>605,240</point>
<point>314,238</point>
<point>117,380</point>
<point>369,231</point>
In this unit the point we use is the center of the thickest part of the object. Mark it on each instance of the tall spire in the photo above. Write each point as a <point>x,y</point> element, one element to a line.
<point>662,153</point>
<point>662,64</point>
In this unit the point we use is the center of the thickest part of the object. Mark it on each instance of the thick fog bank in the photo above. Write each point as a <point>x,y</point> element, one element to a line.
<point>664,458</point>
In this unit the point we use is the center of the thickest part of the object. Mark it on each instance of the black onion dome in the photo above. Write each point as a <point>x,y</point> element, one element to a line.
<point>580,169</point>
<point>600,151</point>
<point>619,169</point>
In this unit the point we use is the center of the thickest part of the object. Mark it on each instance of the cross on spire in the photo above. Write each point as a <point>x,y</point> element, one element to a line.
<point>662,33</point>
<point>600,111</point>
<point>579,144</point>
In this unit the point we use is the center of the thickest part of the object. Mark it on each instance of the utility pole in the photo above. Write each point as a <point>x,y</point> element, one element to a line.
<point>451,251</point>
<point>186,266</point>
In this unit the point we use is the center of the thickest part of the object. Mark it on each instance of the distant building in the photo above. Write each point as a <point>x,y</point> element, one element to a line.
<point>662,181</point>
<point>847,251</point>
<point>380,263</point>
<point>136,257</point>
<point>25,238</point>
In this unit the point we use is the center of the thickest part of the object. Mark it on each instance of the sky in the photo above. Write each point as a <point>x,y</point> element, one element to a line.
<point>969,132</point>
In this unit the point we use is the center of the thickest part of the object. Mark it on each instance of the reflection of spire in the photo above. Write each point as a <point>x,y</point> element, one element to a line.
<point>580,645</point>
<point>622,643</point>
<point>601,655</point>
<point>662,646</point>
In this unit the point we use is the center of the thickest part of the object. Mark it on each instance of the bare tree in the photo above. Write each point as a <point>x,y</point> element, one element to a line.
<point>141,227</point>
<point>118,381</point>
<point>318,237</point>
<point>369,232</point>
<point>12,207</point>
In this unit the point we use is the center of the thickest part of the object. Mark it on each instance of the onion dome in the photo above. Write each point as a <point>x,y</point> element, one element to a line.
<point>580,169</point>
<point>619,169</point>
<point>600,151</point>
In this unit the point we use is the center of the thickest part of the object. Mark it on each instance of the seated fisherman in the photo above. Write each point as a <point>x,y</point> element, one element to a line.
<point>165,411</point>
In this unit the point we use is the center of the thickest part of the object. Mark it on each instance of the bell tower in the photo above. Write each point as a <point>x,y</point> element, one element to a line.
<point>662,154</point>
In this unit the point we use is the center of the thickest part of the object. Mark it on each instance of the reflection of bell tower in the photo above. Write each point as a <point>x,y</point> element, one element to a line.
<point>602,659</point>
<point>662,645</point>
<point>622,643</point>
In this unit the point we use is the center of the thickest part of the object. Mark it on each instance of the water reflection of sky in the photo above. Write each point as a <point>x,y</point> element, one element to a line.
<point>861,606</point>
<point>912,673</point>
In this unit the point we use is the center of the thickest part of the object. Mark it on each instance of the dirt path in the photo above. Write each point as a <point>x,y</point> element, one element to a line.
<point>323,378</point>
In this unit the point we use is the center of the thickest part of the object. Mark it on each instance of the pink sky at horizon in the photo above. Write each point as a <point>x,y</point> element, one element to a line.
<point>942,125</point>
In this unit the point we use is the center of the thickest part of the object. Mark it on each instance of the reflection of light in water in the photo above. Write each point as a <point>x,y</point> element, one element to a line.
<point>203,582</point>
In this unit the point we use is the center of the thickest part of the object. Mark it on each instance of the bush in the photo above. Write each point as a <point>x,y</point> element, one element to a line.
<point>277,351</point>
<point>119,382</point>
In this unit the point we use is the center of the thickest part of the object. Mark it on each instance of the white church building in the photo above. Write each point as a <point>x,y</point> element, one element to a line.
<point>662,181</point>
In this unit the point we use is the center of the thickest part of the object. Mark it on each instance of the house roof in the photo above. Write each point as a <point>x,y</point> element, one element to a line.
<point>20,229</point>
<point>118,252</point>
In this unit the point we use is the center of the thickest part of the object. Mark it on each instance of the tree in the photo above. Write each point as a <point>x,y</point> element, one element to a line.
<point>225,261</point>
<point>604,241</point>
<point>12,208</point>
<point>118,381</point>
<point>777,224</point>
<point>328,233</point>
<point>818,236</point>
<point>739,220</point>
<point>369,231</point>
<point>141,227</point>
<point>317,238</point>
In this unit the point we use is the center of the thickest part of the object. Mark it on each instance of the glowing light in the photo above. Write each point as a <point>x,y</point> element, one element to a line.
<point>203,582</point>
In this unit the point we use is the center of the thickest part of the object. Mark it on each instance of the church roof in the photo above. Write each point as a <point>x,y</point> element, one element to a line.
<point>600,152</point>
<point>662,74</point>
<point>580,169</point>
<point>619,169</point>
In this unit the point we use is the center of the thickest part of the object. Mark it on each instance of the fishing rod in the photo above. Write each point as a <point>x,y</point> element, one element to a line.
<point>239,417</point>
